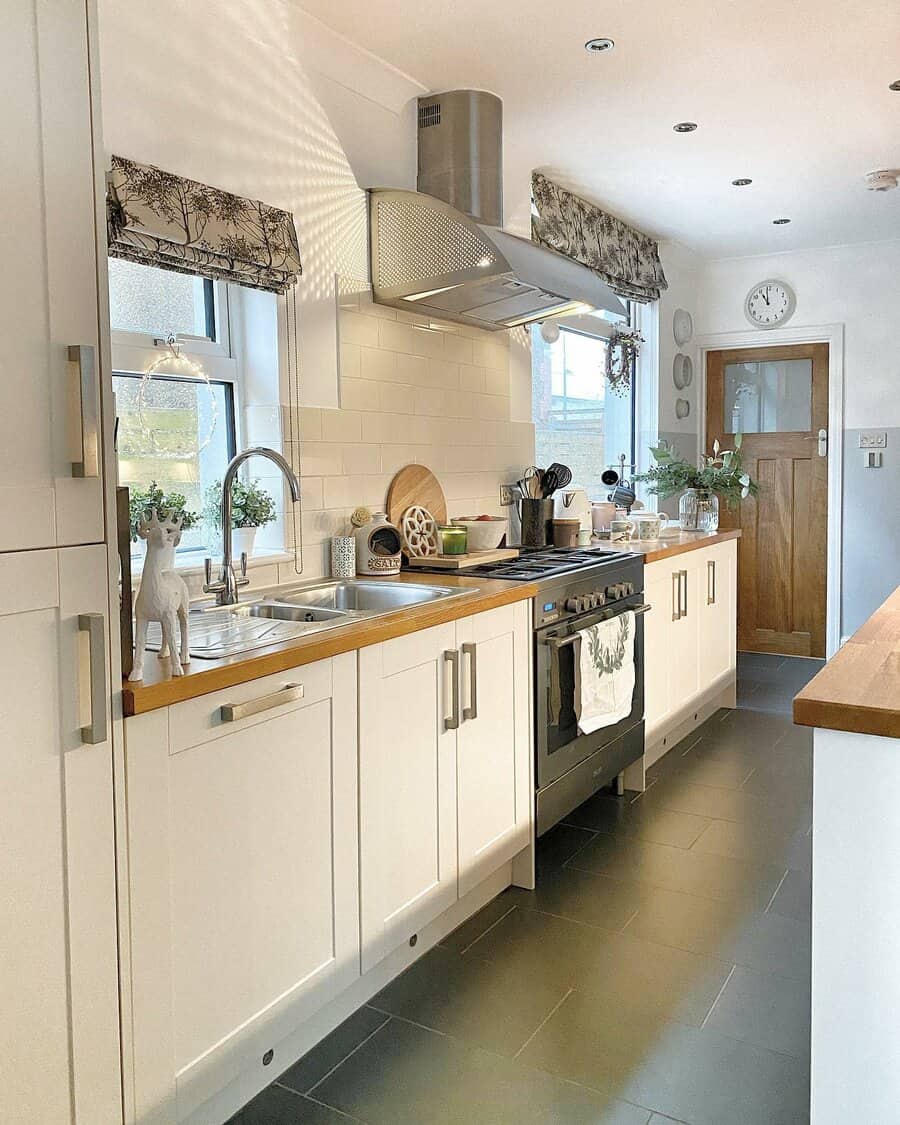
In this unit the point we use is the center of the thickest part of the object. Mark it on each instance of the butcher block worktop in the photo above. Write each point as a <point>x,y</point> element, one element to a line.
<point>160,689</point>
<point>655,549</point>
<point>858,690</point>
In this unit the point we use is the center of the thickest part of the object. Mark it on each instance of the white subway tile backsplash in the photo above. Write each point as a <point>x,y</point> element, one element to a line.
<point>349,355</point>
<point>496,381</point>
<point>359,329</point>
<point>397,398</point>
<point>320,459</point>
<point>310,423</point>
<point>487,352</point>
<point>458,349</point>
<point>360,394</point>
<point>396,337</point>
<point>311,490</point>
<point>441,373</point>
<point>430,400</point>
<point>471,378</point>
<point>342,425</point>
<point>361,459</point>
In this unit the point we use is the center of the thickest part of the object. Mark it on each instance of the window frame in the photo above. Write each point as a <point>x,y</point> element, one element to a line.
<point>200,346</point>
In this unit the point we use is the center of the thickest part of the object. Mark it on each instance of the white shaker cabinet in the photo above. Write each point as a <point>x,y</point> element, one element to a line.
<point>50,486</point>
<point>59,1033</point>
<point>242,842</point>
<point>446,785</point>
<point>690,636</point>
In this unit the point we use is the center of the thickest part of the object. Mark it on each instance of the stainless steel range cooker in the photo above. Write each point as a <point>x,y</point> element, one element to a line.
<point>577,588</point>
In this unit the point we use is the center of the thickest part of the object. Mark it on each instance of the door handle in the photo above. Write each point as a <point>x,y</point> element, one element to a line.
<point>94,624</point>
<point>676,595</point>
<point>232,712</point>
<point>821,440</point>
<point>711,582</point>
<point>471,712</point>
<point>684,608</point>
<point>82,356</point>
<point>451,657</point>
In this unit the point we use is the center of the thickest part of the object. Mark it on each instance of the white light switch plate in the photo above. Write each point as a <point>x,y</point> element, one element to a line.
<point>874,440</point>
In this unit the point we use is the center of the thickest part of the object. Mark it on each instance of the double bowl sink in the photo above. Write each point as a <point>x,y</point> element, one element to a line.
<point>298,611</point>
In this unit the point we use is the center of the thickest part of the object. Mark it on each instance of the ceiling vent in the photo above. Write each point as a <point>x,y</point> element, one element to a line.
<point>429,115</point>
<point>884,180</point>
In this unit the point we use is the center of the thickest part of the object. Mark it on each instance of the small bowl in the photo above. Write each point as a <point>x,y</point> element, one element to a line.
<point>484,535</point>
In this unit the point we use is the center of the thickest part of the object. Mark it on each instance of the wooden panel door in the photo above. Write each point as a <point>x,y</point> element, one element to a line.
<point>408,693</point>
<point>778,397</point>
<point>59,1035</point>
<point>494,783</point>
<point>50,485</point>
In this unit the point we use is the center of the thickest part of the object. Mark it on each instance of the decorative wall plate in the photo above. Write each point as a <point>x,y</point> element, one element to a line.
<point>420,534</point>
<point>688,372</point>
<point>678,370</point>
<point>682,326</point>
<point>682,408</point>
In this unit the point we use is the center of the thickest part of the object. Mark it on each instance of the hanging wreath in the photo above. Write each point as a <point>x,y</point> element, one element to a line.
<point>623,349</point>
<point>174,358</point>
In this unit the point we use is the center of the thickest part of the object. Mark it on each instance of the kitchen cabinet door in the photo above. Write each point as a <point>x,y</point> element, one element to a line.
<point>716,611</point>
<point>494,749</point>
<point>59,1035</point>
<point>50,484</point>
<point>683,634</point>
<point>244,878</point>
<point>408,697</point>
<point>660,593</point>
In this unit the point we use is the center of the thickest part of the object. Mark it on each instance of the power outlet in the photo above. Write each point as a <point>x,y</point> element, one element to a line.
<point>874,440</point>
<point>507,495</point>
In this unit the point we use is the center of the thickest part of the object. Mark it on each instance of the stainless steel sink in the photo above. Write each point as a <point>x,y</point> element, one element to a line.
<point>291,612</point>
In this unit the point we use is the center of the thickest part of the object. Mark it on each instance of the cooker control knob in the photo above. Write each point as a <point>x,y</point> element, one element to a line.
<point>612,593</point>
<point>574,605</point>
<point>629,588</point>
<point>601,597</point>
<point>591,600</point>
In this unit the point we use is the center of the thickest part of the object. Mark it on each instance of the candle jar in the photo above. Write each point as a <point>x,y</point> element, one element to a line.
<point>454,540</point>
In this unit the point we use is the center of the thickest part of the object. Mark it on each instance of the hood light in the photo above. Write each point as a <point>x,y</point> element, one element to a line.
<point>780,222</point>
<point>743,182</point>
<point>598,46</point>
<point>429,293</point>
<point>685,127</point>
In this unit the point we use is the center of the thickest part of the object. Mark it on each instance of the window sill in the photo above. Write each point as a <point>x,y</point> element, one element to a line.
<point>188,565</point>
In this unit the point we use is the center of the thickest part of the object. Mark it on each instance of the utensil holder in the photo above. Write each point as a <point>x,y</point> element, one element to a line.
<point>537,521</point>
<point>343,556</point>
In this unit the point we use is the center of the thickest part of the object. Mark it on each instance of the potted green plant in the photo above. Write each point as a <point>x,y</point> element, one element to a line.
<point>251,507</point>
<point>142,501</point>
<point>719,474</point>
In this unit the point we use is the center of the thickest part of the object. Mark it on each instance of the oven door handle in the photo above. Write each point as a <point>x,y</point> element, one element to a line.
<point>560,642</point>
<point>555,644</point>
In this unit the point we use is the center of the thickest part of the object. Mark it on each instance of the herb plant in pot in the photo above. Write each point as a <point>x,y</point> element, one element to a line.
<point>720,474</point>
<point>252,507</point>
<point>142,502</point>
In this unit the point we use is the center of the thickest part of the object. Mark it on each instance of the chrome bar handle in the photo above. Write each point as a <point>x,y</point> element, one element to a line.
<point>451,657</point>
<point>232,712</point>
<point>711,581</point>
<point>684,611</point>
<point>676,595</point>
<point>94,624</point>
<point>471,712</point>
<point>82,357</point>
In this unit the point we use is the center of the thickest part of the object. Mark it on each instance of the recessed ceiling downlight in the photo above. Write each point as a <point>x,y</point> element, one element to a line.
<point>597,46</point>
<point>685,127</point>
<point>780,222</point>
<point>895,85</point>
<point>743,182</point>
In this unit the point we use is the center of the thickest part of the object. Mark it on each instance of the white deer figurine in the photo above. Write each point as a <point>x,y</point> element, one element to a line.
<point>163,595</point>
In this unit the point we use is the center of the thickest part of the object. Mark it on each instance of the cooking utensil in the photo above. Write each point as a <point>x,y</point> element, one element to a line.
<point>563,474</point>
<point>532,483</point>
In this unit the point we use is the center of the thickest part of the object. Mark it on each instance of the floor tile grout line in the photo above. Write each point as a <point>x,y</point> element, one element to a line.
<point>630,920</point>
<point>362,1043</point>
<point>544,1021</point>
<point>334,1109</point>
<point>594,834</point>
<point>718,997</point>
<point>777,889</point>
<point>484,933</point>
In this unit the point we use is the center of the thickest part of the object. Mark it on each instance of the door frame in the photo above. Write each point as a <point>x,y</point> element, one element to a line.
<point>833,336</point>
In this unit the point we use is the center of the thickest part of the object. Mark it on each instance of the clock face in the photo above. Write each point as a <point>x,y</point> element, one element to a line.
<point>769,304</point>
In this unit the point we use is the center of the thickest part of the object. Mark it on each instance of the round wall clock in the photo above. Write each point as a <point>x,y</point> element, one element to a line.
<point>770,304</point>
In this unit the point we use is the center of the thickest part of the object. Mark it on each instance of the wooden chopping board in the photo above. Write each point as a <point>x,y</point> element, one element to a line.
<point>415,484</point>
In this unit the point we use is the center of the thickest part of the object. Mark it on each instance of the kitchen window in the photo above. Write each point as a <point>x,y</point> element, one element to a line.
<point>578,420</point>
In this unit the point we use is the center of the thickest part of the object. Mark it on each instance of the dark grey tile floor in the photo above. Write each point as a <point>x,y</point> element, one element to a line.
<point>659,973</point>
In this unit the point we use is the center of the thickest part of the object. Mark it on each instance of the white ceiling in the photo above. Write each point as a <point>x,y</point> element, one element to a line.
<point>792,94</point>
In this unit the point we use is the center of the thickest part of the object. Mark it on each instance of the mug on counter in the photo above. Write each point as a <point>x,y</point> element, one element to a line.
<point>621,530</point>
<point>649,524</point>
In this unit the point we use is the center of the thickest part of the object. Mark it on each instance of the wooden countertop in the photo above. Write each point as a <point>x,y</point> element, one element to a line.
<point>160,689</point>
<point>859,688</point>
<point>655,549</point>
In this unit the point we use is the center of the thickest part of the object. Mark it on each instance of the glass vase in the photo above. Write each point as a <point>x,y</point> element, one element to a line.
<point>698,510</point>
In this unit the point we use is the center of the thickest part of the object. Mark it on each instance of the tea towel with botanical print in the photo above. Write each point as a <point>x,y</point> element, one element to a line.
<point>607,672</point>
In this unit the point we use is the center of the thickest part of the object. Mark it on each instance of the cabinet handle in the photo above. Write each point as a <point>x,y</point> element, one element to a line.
<point>94,624</point>
<point>711,582</point>
<point>231,712</point>
<point>684,610</point>
<point>471,712</point>
<point>82,356</point>
<point>676,595</point>
<point>451,657</point>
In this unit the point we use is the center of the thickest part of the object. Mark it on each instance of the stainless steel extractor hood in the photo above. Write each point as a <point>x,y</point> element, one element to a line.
<point>430,256</point>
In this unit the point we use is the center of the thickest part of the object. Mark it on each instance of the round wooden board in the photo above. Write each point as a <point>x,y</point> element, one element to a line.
<point>416,486</point>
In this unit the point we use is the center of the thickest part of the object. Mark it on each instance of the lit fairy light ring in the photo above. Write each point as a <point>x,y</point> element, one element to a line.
<point>192,370</point>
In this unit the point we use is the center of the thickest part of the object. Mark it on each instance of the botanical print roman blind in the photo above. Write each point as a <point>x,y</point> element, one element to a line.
<point>627,260</point>
<point>174,223</point>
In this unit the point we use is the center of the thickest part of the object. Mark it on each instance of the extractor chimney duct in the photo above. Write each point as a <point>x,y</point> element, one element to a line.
<point>461,152</point>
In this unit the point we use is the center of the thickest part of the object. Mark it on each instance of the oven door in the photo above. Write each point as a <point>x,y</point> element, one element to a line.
<point>559,743</point>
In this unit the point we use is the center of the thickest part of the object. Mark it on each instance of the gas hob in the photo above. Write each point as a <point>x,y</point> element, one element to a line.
<point>548,563</point>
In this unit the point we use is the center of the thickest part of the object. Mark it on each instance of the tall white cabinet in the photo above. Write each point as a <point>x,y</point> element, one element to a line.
<point>59,1035</point>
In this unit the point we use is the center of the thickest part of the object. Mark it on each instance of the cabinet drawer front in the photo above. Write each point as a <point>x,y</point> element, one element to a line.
<point>201,720</point>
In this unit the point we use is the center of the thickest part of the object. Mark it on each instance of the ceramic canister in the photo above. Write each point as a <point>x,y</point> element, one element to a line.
<point>343,556</point>
<point>378,547</point>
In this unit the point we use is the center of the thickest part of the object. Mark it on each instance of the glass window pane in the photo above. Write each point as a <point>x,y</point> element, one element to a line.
<point>159,302</point>
<point>577,420</point>
<point>161,439</point>
<point>769,396</point>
